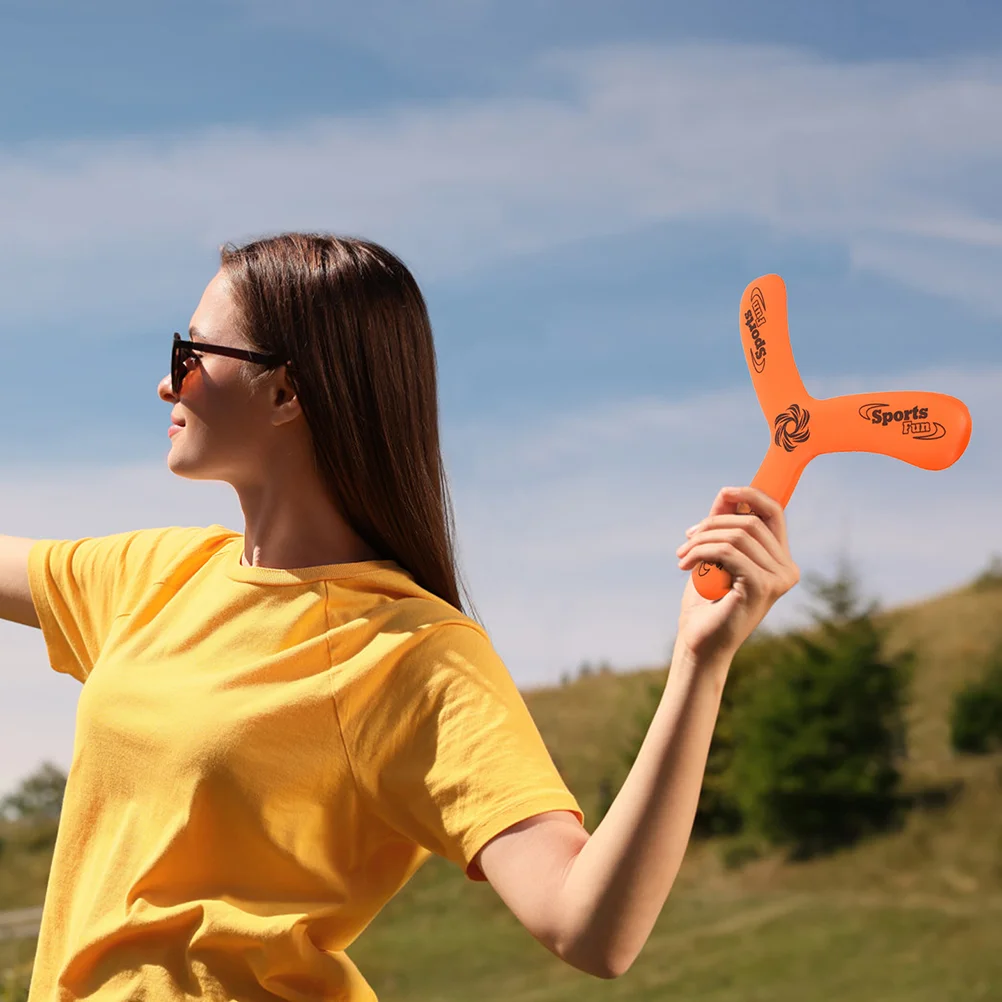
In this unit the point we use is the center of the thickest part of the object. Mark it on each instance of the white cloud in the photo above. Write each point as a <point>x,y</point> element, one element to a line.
<point>568,530</point>
<point>871,156</point>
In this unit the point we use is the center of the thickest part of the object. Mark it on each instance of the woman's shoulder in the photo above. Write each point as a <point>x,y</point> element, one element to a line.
<point>429,619</point>
<point>167,544</point>
<point>407,607</point>
<point>135,551</point>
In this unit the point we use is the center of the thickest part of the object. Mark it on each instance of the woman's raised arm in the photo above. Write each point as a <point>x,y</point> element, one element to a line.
<point>594,900</point>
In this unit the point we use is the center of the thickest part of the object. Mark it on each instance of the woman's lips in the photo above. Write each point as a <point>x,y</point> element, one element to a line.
<point>173,429</point>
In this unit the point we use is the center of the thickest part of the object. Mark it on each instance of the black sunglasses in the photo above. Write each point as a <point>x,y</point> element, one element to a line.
<point>182,350</point>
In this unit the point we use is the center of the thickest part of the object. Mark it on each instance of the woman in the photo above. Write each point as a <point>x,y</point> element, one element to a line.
<point>277,728</point>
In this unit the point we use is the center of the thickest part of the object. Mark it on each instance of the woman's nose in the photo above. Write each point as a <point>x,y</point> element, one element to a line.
<point>164,390</point>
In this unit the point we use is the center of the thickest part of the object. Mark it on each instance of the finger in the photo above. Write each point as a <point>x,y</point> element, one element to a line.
<point>738,564</point>
<point>755,527</point>
<point>738,539</point>
<point>767,508</point>
<point>758,581</point>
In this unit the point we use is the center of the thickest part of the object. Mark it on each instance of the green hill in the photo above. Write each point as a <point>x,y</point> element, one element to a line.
<point>913,915</point>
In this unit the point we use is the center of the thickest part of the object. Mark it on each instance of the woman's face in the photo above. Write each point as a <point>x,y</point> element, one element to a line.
<point>224,403</point>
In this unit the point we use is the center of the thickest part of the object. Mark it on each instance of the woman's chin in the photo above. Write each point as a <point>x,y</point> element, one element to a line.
<point>176,461</point>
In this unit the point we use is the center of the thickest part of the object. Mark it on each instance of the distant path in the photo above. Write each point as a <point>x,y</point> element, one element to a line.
<point>20,924</point>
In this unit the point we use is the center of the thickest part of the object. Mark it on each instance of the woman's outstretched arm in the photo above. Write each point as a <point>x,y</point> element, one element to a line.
<point>15,593</point>
<point>593,900</point>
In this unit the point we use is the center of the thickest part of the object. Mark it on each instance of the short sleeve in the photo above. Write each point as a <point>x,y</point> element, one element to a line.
<point>443,746</point>
<point>80,586</point>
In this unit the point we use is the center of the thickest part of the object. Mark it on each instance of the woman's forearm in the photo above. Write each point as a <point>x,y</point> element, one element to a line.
<point>618,883</point>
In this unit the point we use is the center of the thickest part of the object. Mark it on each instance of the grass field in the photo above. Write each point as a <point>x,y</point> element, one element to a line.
<point>915,914</point>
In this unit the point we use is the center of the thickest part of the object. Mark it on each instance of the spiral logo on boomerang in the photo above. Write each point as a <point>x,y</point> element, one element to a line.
<point>791,427</point>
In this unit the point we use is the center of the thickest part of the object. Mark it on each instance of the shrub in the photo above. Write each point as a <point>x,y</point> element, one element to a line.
<point>818,740</point>
<point>809,732</point>
<point>976,712</point>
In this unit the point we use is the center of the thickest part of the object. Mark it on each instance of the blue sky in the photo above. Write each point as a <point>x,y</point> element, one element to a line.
<point>583,190</point>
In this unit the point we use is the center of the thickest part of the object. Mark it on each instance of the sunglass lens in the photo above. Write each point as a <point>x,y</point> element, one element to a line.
<point>175,367</point>
<point>179,354</point>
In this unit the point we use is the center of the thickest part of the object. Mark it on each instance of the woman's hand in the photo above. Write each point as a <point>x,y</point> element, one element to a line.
<point>754,551</point>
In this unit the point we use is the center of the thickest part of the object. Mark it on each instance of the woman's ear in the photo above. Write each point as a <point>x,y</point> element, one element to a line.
<point>285,395</point>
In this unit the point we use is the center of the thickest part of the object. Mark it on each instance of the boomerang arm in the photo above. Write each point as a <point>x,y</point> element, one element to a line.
<point>929,430</point>
<point>779,474</point>
<point>765,338</point>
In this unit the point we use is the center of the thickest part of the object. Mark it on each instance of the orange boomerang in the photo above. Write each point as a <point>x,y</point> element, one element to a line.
<point>930,430</point>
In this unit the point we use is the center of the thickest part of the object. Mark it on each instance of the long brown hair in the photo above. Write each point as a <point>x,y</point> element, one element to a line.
<point>350,317</point>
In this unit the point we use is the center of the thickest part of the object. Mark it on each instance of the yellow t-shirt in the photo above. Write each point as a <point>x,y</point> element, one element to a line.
<point>262,758</point>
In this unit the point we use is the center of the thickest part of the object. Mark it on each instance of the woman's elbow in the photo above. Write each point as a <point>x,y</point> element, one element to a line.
<point>598,964</point>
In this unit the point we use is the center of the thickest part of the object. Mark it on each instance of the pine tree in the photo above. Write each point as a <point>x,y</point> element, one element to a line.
<point>819,739</point>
